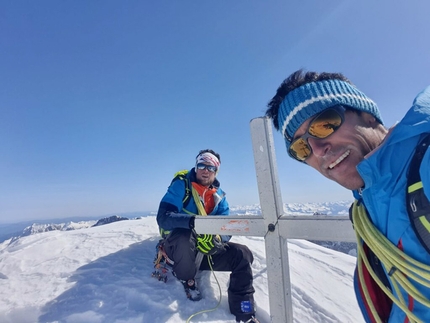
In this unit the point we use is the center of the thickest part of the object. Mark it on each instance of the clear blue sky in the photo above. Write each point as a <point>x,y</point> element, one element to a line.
<point>101,102</point>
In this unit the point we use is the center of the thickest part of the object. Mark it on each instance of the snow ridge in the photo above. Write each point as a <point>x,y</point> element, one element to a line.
<point>102,274</point>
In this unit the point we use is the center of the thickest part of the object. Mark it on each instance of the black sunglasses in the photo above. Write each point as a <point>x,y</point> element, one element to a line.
<point>210,168</point>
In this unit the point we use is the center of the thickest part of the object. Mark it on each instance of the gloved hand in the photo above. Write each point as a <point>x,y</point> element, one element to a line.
<point>209,244</point>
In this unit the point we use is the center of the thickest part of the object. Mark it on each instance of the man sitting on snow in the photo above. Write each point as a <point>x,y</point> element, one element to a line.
<point>198,193</point>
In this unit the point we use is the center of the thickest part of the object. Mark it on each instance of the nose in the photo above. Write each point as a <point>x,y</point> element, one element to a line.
<point>320,147</point>
<point>205,170</point>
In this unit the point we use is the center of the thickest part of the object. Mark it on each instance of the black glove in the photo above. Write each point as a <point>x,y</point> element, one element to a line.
<point>209,244</point>
<point>191,223</point>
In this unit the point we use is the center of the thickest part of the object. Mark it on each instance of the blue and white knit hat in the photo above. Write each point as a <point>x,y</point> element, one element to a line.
<point>310,99</point>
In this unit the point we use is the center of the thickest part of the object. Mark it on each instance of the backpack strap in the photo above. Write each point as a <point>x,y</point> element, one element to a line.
<point>418,204</point>
<point>182,175</point>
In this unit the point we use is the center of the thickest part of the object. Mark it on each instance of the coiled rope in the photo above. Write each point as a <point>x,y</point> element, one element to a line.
<point>398,264</point>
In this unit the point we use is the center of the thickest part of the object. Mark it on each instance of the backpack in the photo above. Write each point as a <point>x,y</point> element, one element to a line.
<point>417,203</point>
<point>182,176</point>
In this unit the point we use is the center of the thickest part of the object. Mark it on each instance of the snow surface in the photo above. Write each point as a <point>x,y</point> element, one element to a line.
<point>103,274</point>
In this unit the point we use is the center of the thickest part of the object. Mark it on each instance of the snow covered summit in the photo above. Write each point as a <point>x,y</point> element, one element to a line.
<point>103,274</point>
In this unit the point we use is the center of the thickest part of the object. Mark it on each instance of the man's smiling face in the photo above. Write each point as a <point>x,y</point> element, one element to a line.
<point>337,156</point>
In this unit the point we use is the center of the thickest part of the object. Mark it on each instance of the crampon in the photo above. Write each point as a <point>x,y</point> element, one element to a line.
<point>162,263</point>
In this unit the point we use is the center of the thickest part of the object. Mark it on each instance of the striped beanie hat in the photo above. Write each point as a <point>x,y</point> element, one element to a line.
<point>310,99</point>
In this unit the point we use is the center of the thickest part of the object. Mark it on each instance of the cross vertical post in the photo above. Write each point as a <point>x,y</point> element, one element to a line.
<point>278,274</point>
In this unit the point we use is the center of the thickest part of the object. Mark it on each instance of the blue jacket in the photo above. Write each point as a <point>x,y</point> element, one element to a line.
<point>171,213</point>
<point>384,195</point>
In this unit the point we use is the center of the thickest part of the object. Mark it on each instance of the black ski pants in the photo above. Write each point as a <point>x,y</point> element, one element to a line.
<point>180,246</point>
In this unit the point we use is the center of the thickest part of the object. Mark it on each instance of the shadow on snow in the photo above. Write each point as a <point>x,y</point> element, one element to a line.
<point>119,288</point>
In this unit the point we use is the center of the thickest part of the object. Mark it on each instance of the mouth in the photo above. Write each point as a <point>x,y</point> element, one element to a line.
<point>340,159</point>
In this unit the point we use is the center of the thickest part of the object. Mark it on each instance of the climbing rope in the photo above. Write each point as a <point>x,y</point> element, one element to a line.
<point>220,293</point>
<point>202,211</point>
<point>398,264</point>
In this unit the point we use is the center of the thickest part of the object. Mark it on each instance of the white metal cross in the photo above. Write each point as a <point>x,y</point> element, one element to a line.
<point>273,225</point>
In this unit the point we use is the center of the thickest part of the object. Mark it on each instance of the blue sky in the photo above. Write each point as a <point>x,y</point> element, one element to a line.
<point>101,102</point>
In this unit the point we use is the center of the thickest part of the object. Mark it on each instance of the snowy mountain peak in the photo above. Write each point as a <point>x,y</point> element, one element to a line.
<point>111,219</point>
<point>39,228</point>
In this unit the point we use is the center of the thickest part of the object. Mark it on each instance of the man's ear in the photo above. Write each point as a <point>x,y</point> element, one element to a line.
<point>369,119</point>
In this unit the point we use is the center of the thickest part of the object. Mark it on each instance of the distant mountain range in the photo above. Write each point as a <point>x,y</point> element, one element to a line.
<point>39,228</point>
<point>13,232</point>
<point>323,208</point>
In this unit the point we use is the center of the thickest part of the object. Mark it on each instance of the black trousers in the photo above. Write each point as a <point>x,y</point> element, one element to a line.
<point>180,246</point>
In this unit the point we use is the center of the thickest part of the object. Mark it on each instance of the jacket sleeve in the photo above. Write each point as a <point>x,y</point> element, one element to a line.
<point>223,208</point>
<point>169,214</point>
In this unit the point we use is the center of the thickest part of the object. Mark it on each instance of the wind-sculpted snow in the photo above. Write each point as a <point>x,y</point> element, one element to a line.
<point>103,274</point>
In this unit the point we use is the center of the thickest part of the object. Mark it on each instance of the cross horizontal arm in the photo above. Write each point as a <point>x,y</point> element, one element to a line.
<point>318,228</point>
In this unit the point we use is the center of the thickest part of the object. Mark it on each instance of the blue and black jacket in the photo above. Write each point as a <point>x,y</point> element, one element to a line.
<point>384,195</point>
<point>173,214</point>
